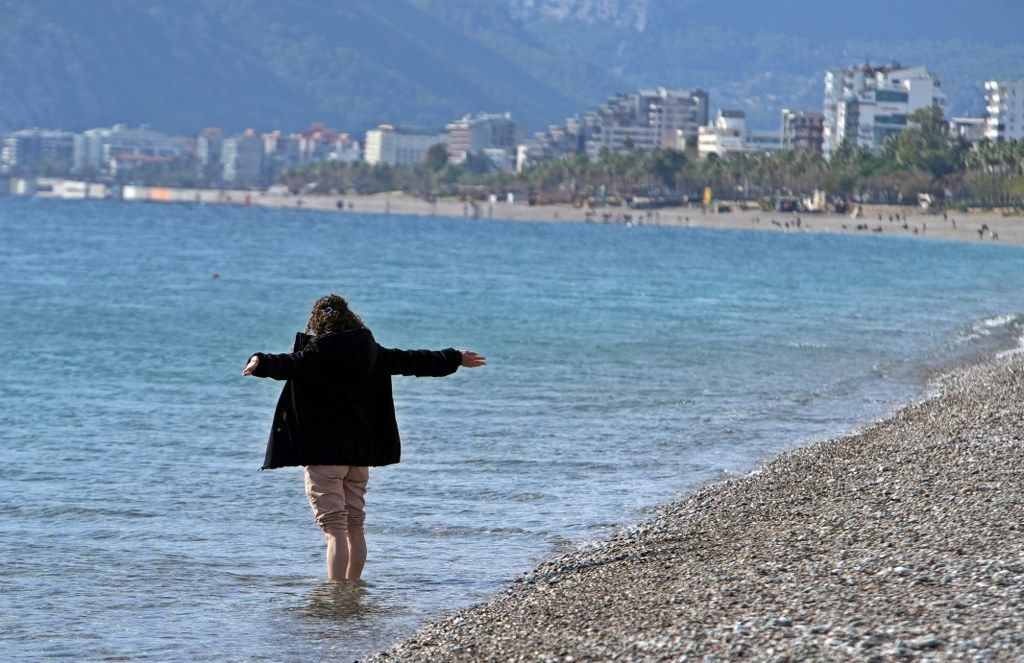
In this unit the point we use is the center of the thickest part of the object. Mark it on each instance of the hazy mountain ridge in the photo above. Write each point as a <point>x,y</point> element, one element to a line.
<point>759,60</point>
<point>184,64</point>
<point>622,13</point>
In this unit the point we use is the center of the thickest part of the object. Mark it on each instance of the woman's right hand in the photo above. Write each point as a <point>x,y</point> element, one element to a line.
<point>251,366</point>
<point>471,359</point>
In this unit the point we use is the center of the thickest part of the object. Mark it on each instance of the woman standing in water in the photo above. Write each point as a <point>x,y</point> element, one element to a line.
<point>336,417</point>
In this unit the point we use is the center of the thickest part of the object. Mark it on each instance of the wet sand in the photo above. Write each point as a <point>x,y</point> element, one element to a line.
<point>904,541</point>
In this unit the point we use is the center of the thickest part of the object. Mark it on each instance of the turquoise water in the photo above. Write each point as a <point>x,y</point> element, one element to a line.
<point>626,366</point>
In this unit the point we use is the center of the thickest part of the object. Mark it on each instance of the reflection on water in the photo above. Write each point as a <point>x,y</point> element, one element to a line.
<point>342,601</point>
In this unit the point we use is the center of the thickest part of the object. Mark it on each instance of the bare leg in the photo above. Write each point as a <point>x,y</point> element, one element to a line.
<point>356,553</point>
<point>337,558</point>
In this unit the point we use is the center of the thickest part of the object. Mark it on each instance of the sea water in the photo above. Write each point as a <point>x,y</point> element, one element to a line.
<point>626,365</point>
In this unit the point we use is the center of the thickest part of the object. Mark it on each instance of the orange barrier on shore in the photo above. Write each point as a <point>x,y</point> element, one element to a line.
<point>160,194</point>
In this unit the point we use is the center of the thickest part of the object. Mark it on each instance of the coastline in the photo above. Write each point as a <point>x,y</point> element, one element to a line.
<point>899,541</point>
<point>990,227</point>
<point>1007,229</point>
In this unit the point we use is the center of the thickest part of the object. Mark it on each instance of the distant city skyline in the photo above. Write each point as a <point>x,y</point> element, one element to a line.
<point>862,105</point>
<point>179,66</point>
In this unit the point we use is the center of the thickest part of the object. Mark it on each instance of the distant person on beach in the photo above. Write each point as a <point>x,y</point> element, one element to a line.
<point>336,417</point>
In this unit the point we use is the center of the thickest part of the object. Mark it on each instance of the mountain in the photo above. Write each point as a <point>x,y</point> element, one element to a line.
<point>762,56</point>
<point>180,65</point>
<point>184,64</point>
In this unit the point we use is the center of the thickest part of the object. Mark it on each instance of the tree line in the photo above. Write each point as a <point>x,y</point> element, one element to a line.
<point>926,157</point>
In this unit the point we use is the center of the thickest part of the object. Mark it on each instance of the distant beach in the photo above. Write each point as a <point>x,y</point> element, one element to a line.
<point>875,219</point>
<point>886,220</point>
<point>899,542</point>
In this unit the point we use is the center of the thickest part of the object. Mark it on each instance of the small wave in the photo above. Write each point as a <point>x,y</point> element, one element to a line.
<point>1018,349</point>
<point>997,332</point>
<point>999,320</point>
<point>807,344</point>
<point>989,326</point>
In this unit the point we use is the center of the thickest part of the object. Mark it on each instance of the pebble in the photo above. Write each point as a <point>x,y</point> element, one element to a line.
<point>898,542</point>
<point>929,642</point>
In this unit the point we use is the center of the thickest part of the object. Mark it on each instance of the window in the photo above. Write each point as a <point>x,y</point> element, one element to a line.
<point>890,95</point>
<point>893,120</point>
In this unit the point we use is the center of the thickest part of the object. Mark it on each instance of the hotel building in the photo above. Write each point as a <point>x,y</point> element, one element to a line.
<point>864,105</point>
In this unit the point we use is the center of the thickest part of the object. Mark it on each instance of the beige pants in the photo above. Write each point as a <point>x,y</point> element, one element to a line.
<point>337,494</point>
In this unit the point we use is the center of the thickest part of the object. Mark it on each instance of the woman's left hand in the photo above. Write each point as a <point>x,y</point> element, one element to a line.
<point>251,366</point>
<point>471,359</point>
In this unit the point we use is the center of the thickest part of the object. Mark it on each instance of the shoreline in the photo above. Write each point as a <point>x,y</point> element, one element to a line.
<point>988,227</point>
<point>1006,229</point>
<point>900,540</point>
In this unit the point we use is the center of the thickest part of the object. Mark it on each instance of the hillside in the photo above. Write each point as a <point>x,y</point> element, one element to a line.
<point>184,64</point>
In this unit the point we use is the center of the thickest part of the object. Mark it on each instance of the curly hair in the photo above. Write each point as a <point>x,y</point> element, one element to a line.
<point>331,314</point>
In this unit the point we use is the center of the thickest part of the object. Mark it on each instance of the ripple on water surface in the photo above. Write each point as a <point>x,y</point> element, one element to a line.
<point>626,365</point>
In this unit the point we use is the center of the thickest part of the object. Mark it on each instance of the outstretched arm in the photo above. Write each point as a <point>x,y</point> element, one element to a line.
<point>331,355</point>
<point>307,361</point>
<point>424,363</point>
<point>283,366</point>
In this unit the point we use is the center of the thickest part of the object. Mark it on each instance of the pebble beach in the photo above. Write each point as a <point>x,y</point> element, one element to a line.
<point>901,541</point>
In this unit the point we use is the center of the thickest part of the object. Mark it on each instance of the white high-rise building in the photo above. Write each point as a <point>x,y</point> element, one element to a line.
<point>728,134</point>
<point>864,105</point>
<point>645,120</point>
<point>485,132</point>
<point>393,145</point>
<point>1004,106</point>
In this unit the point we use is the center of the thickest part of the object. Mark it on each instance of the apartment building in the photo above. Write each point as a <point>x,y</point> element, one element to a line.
<point>802,130</point>
<point>728,134</point>
<point>394,145</point>
<point>241,159</point>
<point>866,104</point>
<point>29,150</point>
<point>486,133</point>
<point>1004,107</point>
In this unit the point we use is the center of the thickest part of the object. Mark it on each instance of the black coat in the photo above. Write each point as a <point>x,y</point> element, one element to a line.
<point>336,407</point>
